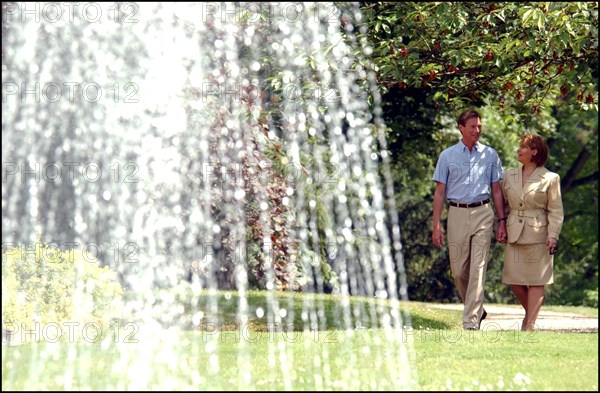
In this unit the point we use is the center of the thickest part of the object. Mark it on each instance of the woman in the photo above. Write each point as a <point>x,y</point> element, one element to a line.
<point>534,223</point>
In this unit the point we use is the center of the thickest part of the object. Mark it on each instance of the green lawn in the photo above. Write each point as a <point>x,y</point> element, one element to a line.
<point>222,354</point>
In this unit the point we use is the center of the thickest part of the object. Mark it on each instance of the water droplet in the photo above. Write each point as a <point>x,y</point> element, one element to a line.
<point>239,194</point>
<point>260,312</point>
<point>197,318</point>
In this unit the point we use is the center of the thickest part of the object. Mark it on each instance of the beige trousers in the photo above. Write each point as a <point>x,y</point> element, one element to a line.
<point>469,236</point>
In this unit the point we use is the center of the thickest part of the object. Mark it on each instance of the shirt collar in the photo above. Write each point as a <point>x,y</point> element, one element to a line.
<point>477,147</point>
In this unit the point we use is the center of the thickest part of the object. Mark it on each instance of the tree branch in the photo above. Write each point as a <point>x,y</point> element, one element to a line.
<point>567,183</point>
<point>585,180</point>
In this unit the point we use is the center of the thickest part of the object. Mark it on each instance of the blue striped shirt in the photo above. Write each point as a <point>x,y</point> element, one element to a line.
<point>468,176</point>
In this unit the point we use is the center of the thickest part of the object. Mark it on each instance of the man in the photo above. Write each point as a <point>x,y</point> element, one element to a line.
<point>468,174</point>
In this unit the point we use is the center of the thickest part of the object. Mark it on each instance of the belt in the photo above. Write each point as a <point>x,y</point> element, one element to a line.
<point>528,212</point>
<point>474,204</point>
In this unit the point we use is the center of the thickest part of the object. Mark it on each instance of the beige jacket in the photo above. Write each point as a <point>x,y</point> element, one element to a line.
<point>535,209</point>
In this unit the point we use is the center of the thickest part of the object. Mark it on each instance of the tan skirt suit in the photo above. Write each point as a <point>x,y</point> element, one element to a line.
<point>535,212</point>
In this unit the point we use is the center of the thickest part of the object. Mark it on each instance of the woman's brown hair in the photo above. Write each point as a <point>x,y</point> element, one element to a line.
<point>536,142</point>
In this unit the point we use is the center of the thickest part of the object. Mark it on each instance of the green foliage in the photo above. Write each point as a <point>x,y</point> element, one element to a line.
<point>43,284</point>
<point>573,155</point>
<point>286,273</point>
<point>523,54</point>
<point>591,297</point>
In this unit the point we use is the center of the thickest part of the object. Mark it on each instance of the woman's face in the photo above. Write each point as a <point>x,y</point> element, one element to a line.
<point>525,154</point>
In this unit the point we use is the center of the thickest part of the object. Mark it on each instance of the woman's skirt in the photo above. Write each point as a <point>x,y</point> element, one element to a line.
<point>527,264</point>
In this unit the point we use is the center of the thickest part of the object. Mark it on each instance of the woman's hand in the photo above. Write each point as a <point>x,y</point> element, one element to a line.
<point>551,245</point>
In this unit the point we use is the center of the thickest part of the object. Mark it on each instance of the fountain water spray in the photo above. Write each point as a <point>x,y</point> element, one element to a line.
<point>204,151</point>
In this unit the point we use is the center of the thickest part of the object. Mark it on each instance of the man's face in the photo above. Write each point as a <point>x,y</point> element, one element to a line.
<point>471,131</point>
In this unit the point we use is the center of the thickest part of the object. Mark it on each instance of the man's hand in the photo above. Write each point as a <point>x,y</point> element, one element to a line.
<point>499,204</point>
<point>501,234</point>
<point>438,206</point>
<point>438,237</point>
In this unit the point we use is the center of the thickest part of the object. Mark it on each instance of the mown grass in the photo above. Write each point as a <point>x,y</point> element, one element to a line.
<point>226,354</point>
<point>509,360</point>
